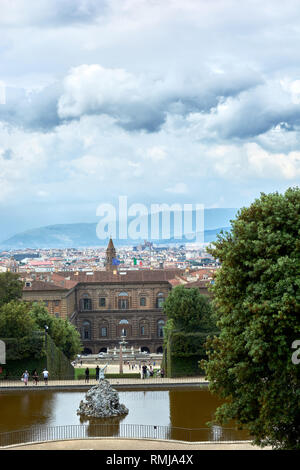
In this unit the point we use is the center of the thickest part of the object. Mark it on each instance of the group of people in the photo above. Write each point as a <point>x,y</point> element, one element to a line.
<point>87,374</point>
<point>150,372</point>
<point>35,377</point>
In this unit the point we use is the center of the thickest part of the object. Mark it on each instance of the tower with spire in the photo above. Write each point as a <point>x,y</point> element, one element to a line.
<point>110,254</point>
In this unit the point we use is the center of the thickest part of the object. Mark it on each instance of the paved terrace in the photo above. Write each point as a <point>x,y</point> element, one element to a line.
<point>135,444</point>
<point>155,382</point>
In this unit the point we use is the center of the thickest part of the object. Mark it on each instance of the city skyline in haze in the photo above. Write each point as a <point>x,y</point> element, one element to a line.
<point>165,102</point>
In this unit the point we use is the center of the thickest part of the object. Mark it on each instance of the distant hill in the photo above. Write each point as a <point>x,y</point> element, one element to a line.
<point>84,234</point>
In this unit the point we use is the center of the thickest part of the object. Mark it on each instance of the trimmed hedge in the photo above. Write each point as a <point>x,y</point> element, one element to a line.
<point>30,353</point>
<point>58,364</point>
<point>183,352</point>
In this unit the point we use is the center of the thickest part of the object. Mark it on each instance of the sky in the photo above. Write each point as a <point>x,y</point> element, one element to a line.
<point>174,101</point>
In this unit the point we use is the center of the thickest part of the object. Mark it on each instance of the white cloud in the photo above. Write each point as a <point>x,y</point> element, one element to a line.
<point>147,98</point>
<point>178,188</point>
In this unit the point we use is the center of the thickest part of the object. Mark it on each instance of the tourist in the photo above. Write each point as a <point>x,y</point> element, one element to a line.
<point>25,377</point>
<point>97,372</point>
<point>144,368</point>
<point>46,376</point>
<point>87,375</point>
<point>162,373</point>
<point>35,376</point>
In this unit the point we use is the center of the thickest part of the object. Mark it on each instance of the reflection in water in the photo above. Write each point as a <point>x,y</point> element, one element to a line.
<point>25,409</point>
<point>193,409</point>
<point>102,427</point>
<point>152,413</point>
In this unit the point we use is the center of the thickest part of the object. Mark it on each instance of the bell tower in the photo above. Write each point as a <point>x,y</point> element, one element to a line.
<point>110,254</point>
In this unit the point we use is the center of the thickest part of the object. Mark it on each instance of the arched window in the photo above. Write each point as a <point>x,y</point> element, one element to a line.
<point>86,330</point>
<point>143,301</point>
<point>160,300</point>
<point>142,331</point>
<point>160,328</point>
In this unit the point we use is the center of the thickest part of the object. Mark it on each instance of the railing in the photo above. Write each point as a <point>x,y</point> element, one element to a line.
<point>117,430</point>
<point>117,381</point>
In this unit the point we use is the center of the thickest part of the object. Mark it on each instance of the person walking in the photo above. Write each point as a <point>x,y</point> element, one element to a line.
<point>97,373</point>
<point>162,373</point>
<point>35,376</point>
<point>46,376</point>
<point>87,375</point>
<point>25,377</point>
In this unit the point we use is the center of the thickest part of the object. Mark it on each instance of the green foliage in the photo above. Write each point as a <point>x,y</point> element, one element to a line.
<point>189,310</point>
<point>15,368</point>
<point>188,344</point>
<point>10,287</point>
<point>15,320</point>
<point>63,333</point>
<point>257,298</point>
<point>23,348</point>
<point>57,363</point>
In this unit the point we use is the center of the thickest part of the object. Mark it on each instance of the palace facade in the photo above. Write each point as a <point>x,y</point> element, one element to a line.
<point>105,305</point>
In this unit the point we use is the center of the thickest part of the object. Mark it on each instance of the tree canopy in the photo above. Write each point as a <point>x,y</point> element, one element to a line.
<point>63,333</point>
<point>257,299</point>
<point>10,287</point>
<point>21,319</point>
<point>16,320</point>
<point>189,310</point>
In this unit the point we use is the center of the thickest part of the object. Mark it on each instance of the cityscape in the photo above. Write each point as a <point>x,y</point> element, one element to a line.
<point>150,227</point>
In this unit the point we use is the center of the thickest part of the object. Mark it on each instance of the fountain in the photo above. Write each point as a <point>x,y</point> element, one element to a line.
<point>101,401</point>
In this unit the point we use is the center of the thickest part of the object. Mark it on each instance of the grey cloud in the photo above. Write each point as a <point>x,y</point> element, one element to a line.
<point>142,103</point>
<point>36,110</point>
<point>255,112</point>
<point>40,13</point>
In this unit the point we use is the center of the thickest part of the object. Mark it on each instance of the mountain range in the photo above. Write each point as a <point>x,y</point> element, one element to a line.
<point>84,234</point>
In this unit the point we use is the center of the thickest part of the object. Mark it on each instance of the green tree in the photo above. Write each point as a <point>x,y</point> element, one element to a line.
<point>16,320</point>
<point>63,333</point>
<point>257,298</point>
<point>189,310</point>
<point>10,287</point>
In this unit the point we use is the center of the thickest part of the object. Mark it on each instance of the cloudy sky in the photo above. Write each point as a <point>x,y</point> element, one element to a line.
<point>177,101</point>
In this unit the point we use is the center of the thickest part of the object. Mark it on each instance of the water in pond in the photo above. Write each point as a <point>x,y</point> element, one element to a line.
<point>176,408</point>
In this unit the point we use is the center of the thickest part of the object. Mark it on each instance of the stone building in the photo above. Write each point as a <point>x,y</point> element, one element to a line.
<point>105,305</point>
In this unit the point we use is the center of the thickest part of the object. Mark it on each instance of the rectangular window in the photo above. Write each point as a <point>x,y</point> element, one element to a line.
<point>123,304</point>
<point>142,301</point>
<point>56,303</point>
<point>142,331</point>
<point>102,301</point>
<point>87,304</point>
<point>104,331</point>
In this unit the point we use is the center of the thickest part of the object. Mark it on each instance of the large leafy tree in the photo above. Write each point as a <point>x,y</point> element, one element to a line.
<point>189,310</point>
<point>63,333</point>
<point>16,321</point>
<point>10,287</point>
<point>257,298</point>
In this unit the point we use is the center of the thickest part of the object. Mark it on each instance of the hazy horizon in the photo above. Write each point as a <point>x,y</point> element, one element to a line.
<point>164,102</point>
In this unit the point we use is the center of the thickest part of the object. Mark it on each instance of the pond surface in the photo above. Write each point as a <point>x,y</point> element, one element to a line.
<point>177,408</point>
